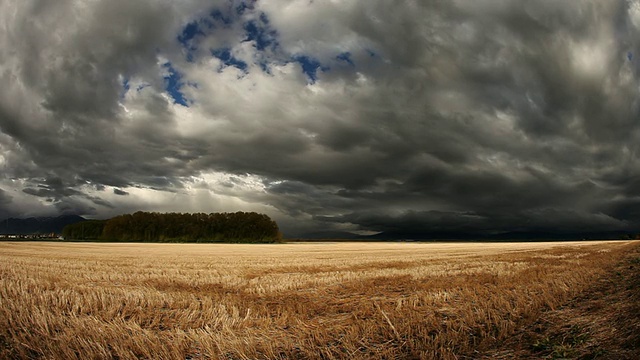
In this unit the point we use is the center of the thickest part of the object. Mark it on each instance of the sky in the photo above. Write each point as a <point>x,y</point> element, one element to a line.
<point>482,116</point>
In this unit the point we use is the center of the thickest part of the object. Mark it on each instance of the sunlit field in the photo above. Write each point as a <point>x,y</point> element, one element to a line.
<point>283,301</point>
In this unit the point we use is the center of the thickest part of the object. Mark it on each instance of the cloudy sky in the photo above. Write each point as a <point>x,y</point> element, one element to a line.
<point>365,116</point>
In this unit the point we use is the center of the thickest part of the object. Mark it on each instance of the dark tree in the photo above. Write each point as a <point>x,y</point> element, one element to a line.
<point>84,230</point>
<point>238,227</point>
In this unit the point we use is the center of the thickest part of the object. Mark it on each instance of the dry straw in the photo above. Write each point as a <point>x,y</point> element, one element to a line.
<point>309,301</point>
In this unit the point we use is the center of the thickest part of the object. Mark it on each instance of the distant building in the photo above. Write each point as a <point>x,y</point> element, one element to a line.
<point>32,236</point>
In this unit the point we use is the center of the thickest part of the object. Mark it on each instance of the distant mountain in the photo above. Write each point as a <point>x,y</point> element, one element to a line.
<point>38,225</point>
<point>327,235</point>
<point>439,235</point>
<point>515,235</point>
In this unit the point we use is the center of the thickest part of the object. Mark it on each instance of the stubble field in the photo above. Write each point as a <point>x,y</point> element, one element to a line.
<point>284,301</point>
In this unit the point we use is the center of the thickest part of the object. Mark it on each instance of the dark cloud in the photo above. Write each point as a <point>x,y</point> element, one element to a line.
<point>5,201</point>
<point>71,206</point>
<point>432,116</point>
<point>120,192</point>
<point>51,188</point>
<point>4,197</point>
<point>545,220</point>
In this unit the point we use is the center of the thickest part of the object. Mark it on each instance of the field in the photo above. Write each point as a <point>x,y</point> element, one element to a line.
<point>289,301</point>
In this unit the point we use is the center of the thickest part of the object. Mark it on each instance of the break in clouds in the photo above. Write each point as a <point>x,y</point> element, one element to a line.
<point>415,116</point>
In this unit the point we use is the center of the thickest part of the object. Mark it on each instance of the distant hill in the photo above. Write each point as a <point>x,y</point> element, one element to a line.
<point>523,236</point>
<point>328,234</point>
<point>38,225</point>
<point>469,236</point>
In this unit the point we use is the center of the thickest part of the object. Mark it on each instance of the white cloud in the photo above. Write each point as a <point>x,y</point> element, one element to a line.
<point>634,13</point>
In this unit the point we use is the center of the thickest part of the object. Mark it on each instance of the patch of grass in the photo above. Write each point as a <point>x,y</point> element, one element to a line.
<point>562,351</point>
<point>562,346</point>
<point>543,345</point>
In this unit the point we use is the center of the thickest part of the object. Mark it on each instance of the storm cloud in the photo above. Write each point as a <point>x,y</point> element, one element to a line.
<point>362,116</point>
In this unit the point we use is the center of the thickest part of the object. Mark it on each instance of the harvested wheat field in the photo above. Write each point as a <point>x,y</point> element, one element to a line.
<point>289,301</point>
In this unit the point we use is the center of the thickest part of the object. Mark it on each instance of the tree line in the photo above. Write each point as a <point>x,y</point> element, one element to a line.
<point>238,227</point>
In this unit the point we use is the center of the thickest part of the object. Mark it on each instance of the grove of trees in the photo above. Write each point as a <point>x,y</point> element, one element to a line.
<point>84,230</point>
<point>238,227</point>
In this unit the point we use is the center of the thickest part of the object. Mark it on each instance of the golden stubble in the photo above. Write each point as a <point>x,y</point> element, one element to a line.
<point>282,301</point>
